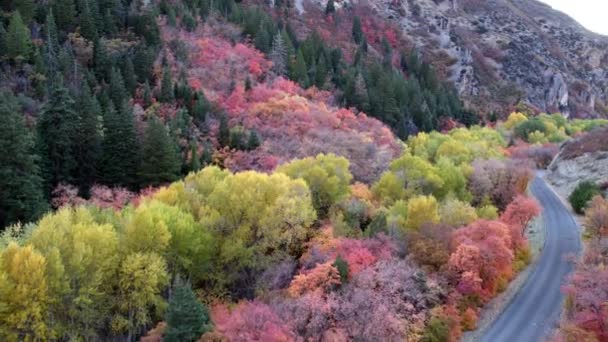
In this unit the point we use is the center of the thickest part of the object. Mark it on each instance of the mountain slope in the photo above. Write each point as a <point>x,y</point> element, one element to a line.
<point>503,52</point>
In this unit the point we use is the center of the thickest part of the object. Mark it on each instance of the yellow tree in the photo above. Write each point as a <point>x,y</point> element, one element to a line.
<point>24,295</point>
<point>327,177</point>
<point>456,213</point>
<point>421,210</point>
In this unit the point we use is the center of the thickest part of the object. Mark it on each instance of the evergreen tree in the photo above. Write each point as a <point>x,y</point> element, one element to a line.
<point>247,83</point>
<point>195,159</point>
<point>130,79</point>
<point>387,53</point>
<point>160,162</point>
<point>278,55</point>
<point>3,37</point>
<point>200,109</point>
<point>166,86</point>
<point>223,136</point>
<point>300,71</point>
<point>357,30</point>
<point>57,137</point>
<point>18,43</point>
<point>360,93</point>
<point>262,39</point>
<point>88,26</point>
<point>147,95</point>
<point>187,318</point>
<point>330,8</point>
<point>101,61</point>
<point>117,91</point>
<point>26,8</point>
<point>65,13</point>
<point>51,50</point>
<point>120,147</point>
<point>321,72</point>
<point>88,149</point>
<point>254,141</point>
<point>22,196</point>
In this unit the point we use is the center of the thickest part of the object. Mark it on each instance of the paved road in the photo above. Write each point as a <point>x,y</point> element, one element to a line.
<point>534,311</point>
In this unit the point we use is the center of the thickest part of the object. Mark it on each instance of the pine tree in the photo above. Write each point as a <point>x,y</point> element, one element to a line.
<point>88,148</point>
<point>57,137</point>
<point>387,53</point>
<point>88,26</point>
<point>300,71</point>
<point>262,39</point>
<point>160,162</point>
<point>254,141</point>
<point>51,50</point>
<point>26,8</point>
<point>195,159</point>
<point>129,76</point>
<point>357,30</point>
<point>223,136</point>
<point>22,196</point>
<point>330,8</point>
<point>187,318</point>
<point>3,37</point>
<point>166,86</point>
<point>321,72</point>
<point>248,83</point>
<point>201,107</point>
<point>117,91</point>
<point>360,93</point>
<point>65,13</point>
<point>278,55</point>
<point>120,147</point>
<point>18,43</point>
<point>147,95</point>
<point>101,61</point>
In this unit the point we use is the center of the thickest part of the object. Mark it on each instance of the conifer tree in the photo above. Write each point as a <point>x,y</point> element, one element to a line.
<point>117,91</point>
<point>223,136</point>
<point>22,196</point>
<point>166,86</point>
<point>129,77</point>
<point>300,71</point>
<point>26,8</point>
<point>254,141</point>
<point>120,147</point>
<point>201,107</point>
<point>278,55</point>
<point>88,149</point>
<point>187,318</point>
<point>357,30</point>
<point>18,43</point>
<point>321,72</point>
<point>3,36</point>
<point>160,162</point>
<point>147,95</point>
<point>65,13</point>
<point>330,8</point>
<point>57,137</point>
<point>195,159</point>
<point>88,26</point>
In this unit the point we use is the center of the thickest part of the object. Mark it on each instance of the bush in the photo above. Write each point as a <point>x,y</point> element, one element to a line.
<point>583,193</point>
<point>524,129</point>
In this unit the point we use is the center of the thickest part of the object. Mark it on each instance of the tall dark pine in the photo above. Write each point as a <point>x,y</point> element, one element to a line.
<point>57,137</point>
<point>166,86</point>
<point>357,30</point>
<point>330,8</point>
<point>187,318</point>
<point>22,197</point>
<point>120,147</point>
<point>118,93</point>
<point>88,149</point>
<point>160,161</point>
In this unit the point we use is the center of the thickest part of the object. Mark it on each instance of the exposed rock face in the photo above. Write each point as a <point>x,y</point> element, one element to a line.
<point>501,52</point>
<point>582,159</point>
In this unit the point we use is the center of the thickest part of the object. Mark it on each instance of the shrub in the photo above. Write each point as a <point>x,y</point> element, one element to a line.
<point>524,129</point>
<point>583,193</point>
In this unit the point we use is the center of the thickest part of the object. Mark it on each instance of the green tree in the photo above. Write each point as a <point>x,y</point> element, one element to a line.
<point>26,8</point>
<point>18,43</point>
<point>57,137</point>
<point>254,141</point>
<point>342,266</point>
<point>223,136</point>
<point>22,197</point>
<point>117,91</point>
<point>327,176</point>
<point>582,194</point>
<point>187,318</point>
<point>88,27</point>
<point>120,147</point>
<point>300,70</point>
<point>65,13</point>
<point>88,149</point>
<point>330,8</point>
<point>278,55</point>
<point>201,108</point>
<point>160,162</point>
<point>166,86</point>
<point>130,80</point>
<point>357,31</point>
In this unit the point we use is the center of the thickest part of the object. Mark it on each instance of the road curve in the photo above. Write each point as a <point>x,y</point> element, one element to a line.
<point>534,311</point>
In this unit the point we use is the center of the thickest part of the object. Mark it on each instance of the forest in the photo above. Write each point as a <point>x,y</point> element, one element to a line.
<point>201,170</point>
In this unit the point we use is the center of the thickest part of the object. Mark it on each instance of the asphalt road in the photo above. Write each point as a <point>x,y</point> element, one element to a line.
<point>534,312</point>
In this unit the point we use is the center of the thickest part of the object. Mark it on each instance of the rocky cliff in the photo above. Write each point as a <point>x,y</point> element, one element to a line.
<point>581,159</point>
<point>503,52</point>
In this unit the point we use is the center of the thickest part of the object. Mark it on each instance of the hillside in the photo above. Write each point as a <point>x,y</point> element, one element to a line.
<point>501,52</point>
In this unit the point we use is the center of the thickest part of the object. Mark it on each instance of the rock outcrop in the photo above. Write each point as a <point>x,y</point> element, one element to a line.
<point>502,52</point>
<point>582,159</point>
